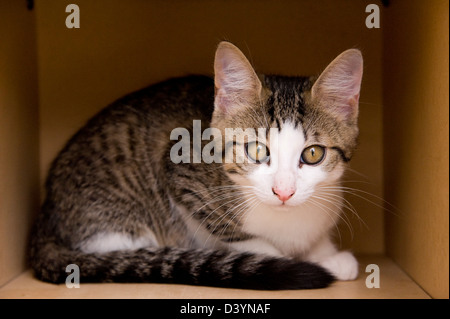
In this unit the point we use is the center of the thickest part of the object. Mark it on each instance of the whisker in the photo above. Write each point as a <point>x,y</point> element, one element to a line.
<point>240,194</point>
<point>357,173</point>
<point>219,197</point>
<point>229,211</point>
<point>345,204</point>
<point>255,203</point>
<point>326,210</point>
<point>354,191</point>
<point>238,212</point>
<point>368,103</point>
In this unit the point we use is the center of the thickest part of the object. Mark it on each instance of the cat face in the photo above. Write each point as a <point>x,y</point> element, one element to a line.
<point>305,129</point>
<point>291,166</point>
<point>293,170</point>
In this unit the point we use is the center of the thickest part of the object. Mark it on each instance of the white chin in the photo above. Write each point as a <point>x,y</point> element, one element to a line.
<point>277,204</point>
<point>289,204</point>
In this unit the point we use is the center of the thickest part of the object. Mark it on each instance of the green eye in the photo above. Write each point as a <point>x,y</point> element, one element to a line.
<point>257,152</point>
<point>313,155</point>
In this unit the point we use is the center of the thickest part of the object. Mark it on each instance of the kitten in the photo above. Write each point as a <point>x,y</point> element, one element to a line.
<point>120,207</point>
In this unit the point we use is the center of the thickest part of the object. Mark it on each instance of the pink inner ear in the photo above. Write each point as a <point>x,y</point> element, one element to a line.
<point>221,69</point>
<point>349,109</point>
<point>339,85</point>
<point>236,82</point>
<point>222,101</point>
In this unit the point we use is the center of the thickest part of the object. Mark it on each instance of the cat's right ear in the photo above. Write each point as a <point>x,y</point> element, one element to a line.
<point>236,82</point>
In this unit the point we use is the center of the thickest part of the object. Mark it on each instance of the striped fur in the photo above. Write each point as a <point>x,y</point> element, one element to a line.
<point>119,208</point>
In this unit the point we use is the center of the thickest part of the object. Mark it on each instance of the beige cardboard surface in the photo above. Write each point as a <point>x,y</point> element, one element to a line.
<point>416,140</point>
<point>122,46</point>
<point>19,143</point>
<point>393,284</point>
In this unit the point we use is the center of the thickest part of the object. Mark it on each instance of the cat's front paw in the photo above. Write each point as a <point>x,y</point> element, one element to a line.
<point>343,265</point>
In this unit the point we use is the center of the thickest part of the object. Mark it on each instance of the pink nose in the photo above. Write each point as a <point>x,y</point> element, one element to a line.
<point>283,194</point>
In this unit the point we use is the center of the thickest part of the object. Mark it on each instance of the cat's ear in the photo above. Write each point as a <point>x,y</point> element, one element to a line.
<point>236,82</point>
<point>338,87</point>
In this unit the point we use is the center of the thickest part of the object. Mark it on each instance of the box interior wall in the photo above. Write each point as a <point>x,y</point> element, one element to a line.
<point>52,79</point>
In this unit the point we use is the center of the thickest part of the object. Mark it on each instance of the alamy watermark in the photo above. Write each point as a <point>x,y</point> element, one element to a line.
<point>373,279</point>
<point>73,279</point>
<point>373,19</point>
<point>73,19</point>
<point>219,149</point>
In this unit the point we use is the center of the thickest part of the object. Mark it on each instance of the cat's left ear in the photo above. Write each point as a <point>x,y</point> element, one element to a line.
<point>337,88</point>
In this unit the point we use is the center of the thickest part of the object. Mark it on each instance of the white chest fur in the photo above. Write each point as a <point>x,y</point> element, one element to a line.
<point>293,230</point>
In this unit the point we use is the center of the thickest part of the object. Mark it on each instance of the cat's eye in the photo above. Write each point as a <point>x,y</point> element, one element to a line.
<point>313,155</point>
<point>257,152</point>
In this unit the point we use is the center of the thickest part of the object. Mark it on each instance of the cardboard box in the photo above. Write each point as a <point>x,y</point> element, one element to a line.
<point>53,78</point>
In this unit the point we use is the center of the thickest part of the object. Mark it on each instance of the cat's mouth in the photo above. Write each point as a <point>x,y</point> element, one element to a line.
<point>288,203</point>
<point>283,205</point>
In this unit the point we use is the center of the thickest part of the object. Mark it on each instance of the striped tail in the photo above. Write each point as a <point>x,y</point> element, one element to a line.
<point>177,265</point>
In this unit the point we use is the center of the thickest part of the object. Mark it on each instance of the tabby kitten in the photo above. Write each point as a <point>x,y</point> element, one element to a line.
<point>121,208</point>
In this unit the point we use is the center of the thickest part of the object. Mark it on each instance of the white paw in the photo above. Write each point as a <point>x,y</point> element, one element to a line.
<point>343,265</point>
